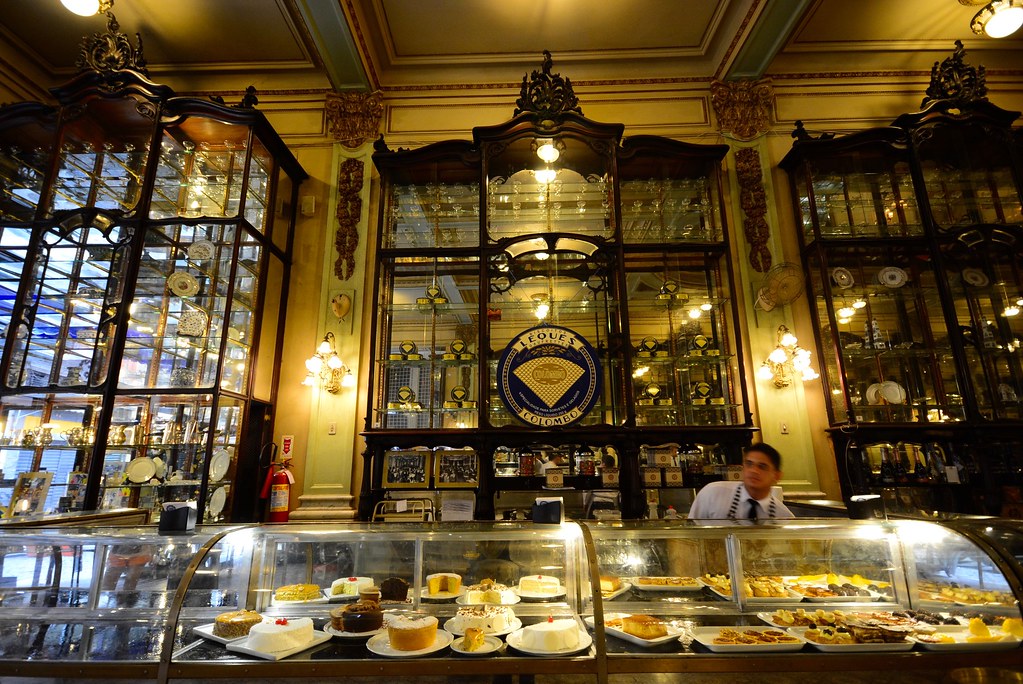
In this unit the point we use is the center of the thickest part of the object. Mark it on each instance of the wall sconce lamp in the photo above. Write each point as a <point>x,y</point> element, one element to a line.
<point>87,8</point>
<point>996,19</point>
<point>326,368</point>
<point>787,361</point>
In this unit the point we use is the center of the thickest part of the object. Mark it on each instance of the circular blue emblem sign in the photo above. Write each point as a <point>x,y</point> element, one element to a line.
<point>549,376</point>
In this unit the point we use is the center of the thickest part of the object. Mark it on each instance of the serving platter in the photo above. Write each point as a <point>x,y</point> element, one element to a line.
<point>452,626</point>
<point>206,632</point>
<point>896,646</point>
<point>242,646</point>
<point>960,640</point>
<point>641,586</point>
<point>341,634</point>
<point>610,595</point>
<point>706,635</point>
<point>612,626</point>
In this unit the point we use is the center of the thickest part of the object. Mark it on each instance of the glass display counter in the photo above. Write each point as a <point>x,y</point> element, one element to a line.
<point>663,596</point>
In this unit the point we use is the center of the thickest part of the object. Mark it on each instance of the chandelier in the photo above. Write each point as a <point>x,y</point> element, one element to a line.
<point>998,18</point>
<point>326,368</point>
<point>787,362</point>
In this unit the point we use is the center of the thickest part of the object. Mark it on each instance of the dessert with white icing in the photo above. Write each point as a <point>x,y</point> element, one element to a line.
<point>491,619</point>
<point>283,634</point>
<point>541,585</point>
<point>488,591</point>
<point>407,633</point>
<point>349,586</point>
<point>552,635</point>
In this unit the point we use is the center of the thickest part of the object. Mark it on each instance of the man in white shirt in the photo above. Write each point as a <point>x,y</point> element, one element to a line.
<point>747,502</point>
<point>557,461</point>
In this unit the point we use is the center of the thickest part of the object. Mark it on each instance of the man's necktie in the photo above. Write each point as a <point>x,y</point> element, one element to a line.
<point>752,509</point>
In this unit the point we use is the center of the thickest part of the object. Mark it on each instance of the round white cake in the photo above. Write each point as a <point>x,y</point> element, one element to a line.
<point>542,585</point>
<point>349,586</point>
<point>489,591</point>
<point>282,634</point>
<point>491,619</point>
<point>553,635</point>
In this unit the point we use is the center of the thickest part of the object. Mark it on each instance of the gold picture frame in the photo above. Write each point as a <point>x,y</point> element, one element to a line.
<point>456,468</point>
<point>29,494</point>
<point>407,469</point>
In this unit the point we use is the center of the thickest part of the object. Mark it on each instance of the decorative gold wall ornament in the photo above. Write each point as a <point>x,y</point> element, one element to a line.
<point>353,118</point>
<point>106,53</point>
<point>743,108</point>
<point>955,81</point>
<point>548,96</point>
<point>753,200</point>
<point>349,211</point>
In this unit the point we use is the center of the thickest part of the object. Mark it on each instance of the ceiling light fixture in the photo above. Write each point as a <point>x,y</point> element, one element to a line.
<point>996,19</point>
<point>548,149</point>
<point>88,8</point>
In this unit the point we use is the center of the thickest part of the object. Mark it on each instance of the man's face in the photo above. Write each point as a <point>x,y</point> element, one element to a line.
<point>758,474</point>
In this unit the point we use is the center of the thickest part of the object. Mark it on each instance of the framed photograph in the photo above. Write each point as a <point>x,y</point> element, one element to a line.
<point>456,468</point>
<point>29,495</point>
<point>408,469</point>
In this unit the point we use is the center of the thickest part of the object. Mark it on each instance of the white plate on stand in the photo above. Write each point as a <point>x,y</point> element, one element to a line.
<point>853,648</point>
<point>241,646</point>
<point>706,636</point>
<point>381,645</point>
<point>515,641</point>
<point>667,587</point>
<point>425,595</point>
<point>141,469</point>
<point>452,626</point>
<point>219,465</point>
<point>217,501</point>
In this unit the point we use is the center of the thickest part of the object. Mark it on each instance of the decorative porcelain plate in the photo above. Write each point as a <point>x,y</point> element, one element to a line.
<point>842,277</point>
<point>219,465</point>
<point>201,249</point>
<point>892,276</point>
<point>873,394</point>
<point>975,277</point>
<point>192,324</point>
<point>893,392</point>
<point>182,284</point>
<point>217,501</point>
<point>142,469</point>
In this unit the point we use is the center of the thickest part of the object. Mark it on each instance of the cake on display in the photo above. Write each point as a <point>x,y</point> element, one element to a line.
<point>610,583</point>
<point>236,623</point>
<point>473,639</point>
<point>443,582</point>
<point>644,626</point>
<point>552,635</point>
<point>393,589</point>
<point>406,633</point>
<point>297,592</point>
<point>489,591</point>
<point>540,585</point>
<point>283,634</point>
<point>349,586</point>
<point>361,616</point>
<point>491,619</point>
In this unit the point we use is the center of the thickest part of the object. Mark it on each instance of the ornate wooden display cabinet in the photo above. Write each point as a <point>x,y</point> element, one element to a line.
<point>550,220</point>
<point>144,242</point>
<point>912,244</point>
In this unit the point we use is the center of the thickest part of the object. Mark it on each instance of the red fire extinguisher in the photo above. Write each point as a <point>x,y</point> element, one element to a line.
<point>278,489</point>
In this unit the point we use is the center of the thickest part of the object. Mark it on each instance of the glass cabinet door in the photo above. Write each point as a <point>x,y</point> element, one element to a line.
<point>428,343</point>
<point>887,354</point>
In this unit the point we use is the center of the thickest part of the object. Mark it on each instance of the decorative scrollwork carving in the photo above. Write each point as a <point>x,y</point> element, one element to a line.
<point>248,101</point>
<point>955,81</point>
<point>354,118</point>
<point>548,96</point>
<point>743,108</point>
<point>753,199</point>
<point>349,211</point>
<point>110,52</point>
